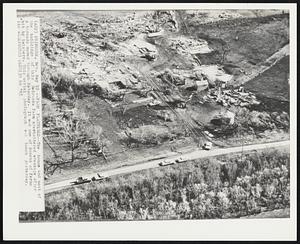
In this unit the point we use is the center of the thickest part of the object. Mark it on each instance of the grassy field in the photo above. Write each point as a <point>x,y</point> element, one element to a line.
<point>272,85</point>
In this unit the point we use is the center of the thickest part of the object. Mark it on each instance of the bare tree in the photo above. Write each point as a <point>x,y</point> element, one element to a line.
<point>73,135</point>
<point>96,140</point>
<point>68,129</point>
<point>225,50</point>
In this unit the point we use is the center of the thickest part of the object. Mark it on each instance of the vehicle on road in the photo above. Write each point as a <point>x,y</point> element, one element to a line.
<point>207,145</point>
<point>208,134</point>
<point>166,162</point>
<point>180,160</point>
<point>80,180</point>
<point>100,178</point>
<point>154,103</point>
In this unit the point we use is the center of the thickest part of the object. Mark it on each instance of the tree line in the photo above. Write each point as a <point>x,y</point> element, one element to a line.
<point>222,187</point>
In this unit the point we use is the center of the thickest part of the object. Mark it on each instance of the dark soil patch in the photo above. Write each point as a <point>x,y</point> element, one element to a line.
<point>213,57</point>
<point>136,117</point>
<point>99,113</point>
<point>273,83</point>
<point>244,39</point>
<point>271,105</point>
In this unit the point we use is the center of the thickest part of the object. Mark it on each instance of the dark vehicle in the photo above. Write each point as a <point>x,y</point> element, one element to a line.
<point>180,160</point>
<point>207,146</point>
<point>80,180</point>
<point>100,178</point>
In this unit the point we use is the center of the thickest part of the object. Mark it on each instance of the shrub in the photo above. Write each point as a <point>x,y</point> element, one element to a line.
<point>48,91</point>
<point>63,80</point>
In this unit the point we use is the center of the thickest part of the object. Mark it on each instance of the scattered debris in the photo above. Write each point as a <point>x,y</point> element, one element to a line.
<point>214,74</point>
<point>156,34</point>
<point>135,62</point>
<point>188,79</point>
<point>229,97</point>
<point>185,45</point>
<point>139,47</point>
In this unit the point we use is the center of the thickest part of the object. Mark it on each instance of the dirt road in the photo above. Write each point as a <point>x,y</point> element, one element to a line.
<point>155,163</point>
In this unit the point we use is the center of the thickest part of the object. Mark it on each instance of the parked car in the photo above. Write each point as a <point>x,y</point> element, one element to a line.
<point>166,162</point>
<point>154,103</point>
<point>100,178</point>
<point>208,134</point>
<point>207,146</point>
<point>80,180</point>
<point>180,160</point>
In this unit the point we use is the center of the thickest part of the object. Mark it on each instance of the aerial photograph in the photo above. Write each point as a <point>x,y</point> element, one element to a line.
<point>164,114</point>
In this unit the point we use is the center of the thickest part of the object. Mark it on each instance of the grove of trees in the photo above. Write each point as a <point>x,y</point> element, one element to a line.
<point>223,187</point>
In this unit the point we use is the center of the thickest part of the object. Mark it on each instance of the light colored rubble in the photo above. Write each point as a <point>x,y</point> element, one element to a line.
<point>214,74</point>
<point>185,45</point>
<point>137,47</point>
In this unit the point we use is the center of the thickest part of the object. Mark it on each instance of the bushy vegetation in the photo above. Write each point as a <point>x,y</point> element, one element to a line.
<point>47,91</point>
<point>196,190</point>
<point>63,80</point>
<point>261,121</point>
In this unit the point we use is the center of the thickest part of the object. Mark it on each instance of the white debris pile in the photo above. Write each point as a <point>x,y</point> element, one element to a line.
<point>166,19</point>
<point>138,47</point>
<point>112,77</point>
<point>228,97</point>
<point>214,74</point>
<point>188,79</point>
<point>111,27</point>
<point>185,45</point>
<point>207,16</point>
<point>155,34</point>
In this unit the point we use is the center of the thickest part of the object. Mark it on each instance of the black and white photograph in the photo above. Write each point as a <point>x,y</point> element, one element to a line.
<point>154,115</point>
<point>163,114</point>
